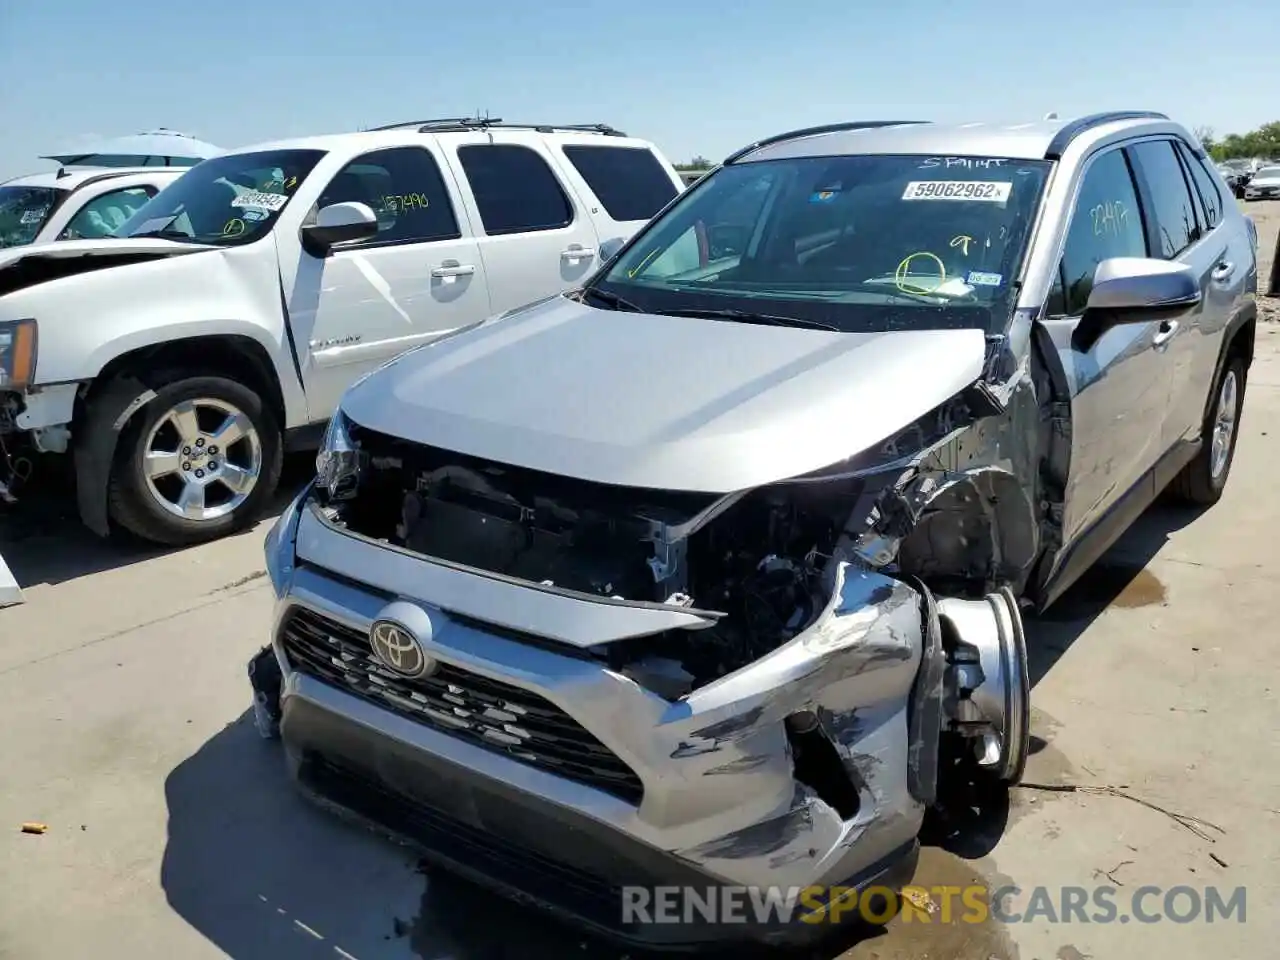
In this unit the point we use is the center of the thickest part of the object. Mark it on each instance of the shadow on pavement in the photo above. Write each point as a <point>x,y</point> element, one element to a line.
<point>44,542</point>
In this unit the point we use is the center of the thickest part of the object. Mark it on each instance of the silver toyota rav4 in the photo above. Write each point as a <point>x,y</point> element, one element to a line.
<point>712,572</point>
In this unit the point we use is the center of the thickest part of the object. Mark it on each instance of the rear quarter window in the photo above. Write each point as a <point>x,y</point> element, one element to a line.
<point>630,181</point>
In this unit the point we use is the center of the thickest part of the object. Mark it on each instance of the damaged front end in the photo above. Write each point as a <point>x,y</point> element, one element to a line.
<point>763,681</point>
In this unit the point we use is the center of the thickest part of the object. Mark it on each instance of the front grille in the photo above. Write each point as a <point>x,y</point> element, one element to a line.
<point>488,713</point>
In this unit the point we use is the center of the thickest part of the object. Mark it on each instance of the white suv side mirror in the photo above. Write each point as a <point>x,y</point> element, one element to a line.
<point>340,223</point>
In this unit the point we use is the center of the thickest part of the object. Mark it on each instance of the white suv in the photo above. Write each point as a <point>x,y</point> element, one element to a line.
<point>77,203</point>
<point>244,300</point>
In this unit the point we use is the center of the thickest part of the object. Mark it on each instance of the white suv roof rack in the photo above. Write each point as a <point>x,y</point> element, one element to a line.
<point>456,124</point>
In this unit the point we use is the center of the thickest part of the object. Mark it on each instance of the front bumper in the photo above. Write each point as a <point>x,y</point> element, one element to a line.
<point>606,784</point>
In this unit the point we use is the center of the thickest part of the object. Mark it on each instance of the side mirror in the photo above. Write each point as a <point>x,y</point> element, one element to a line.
<point>726,240</point>
<point>339,223</point>
<point>609,249</point>
<point>1134,290</point>
<point>1134,285</point>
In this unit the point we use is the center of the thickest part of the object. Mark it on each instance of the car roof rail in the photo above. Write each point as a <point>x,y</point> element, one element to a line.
<point>1062,139</point>
<point>455,124</point>
<point>814,131</point>
<point>419,123</point>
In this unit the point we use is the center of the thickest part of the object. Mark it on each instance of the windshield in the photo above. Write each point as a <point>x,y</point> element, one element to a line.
<point>859,243</point>
<point>234,198</point>
<point>1270,173</point>
<point>24,211</point>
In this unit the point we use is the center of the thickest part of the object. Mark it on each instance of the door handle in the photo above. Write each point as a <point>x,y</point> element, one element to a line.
<point>452,268</point>
<point>578,252</point>
<point>1167,329</point>
<point>1223,270</point>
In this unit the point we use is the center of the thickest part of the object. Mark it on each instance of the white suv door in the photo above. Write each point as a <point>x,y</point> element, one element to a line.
<point>535,233</point>
<point>366,301</point>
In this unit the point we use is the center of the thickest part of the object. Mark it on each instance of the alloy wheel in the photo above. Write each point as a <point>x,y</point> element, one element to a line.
<point>202,459</point>
<point>1224,425</point>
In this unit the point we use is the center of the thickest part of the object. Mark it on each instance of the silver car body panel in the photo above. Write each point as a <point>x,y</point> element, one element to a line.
<point>663,402</point>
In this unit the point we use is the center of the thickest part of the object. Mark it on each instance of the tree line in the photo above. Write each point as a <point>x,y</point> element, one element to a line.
<point>1263,142</point>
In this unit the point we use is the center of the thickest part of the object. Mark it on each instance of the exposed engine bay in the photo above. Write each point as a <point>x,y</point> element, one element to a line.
<point>758,563</point>
<point>755,561</point>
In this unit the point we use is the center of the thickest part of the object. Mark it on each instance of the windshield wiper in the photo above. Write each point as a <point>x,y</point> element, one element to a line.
<point>614,301</point>
<point>164,234</point>
<point>745,316</point>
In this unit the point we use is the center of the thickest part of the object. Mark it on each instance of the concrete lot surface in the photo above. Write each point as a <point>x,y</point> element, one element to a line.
<point>172,831</point>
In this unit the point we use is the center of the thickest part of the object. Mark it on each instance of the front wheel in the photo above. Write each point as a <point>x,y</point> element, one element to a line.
<point>200,463</point>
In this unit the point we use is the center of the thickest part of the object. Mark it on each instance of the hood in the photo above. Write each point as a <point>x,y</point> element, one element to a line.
<point>1269,180</point>
<point>663,402</point>
<point>37,263</point>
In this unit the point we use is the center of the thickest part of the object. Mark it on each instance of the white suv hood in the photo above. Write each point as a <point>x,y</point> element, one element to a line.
<point>108,247</point>
<point>663,402</point>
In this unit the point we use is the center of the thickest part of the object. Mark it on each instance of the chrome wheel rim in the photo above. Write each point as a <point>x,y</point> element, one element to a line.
<point>202,459</point>
<point>1224,426</point>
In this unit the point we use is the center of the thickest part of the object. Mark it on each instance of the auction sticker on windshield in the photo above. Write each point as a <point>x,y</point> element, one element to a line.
<point>264,201</point>
<point>992,191</point>
<point>33,216</point>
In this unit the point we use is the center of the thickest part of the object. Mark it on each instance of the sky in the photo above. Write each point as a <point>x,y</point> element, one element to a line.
<point>694,77</point>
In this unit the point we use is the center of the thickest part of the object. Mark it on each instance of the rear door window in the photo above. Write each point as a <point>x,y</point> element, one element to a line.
<point>515,189</point>
<point>1173,226</point>
<point>630,181</point>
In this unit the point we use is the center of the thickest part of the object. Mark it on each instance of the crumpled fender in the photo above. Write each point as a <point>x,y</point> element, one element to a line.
<point>95,447</point>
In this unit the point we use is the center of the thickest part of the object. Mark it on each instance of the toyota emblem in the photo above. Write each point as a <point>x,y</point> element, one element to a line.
<point>399,650</point>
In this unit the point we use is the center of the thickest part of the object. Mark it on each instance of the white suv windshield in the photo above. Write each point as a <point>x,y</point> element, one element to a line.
<point>854,242</point>
<point>234,198</point>
<point>23,211</point>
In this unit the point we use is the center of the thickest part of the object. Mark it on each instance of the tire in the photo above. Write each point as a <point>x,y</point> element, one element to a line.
<point>1202,481</point>
<point>146,494</point>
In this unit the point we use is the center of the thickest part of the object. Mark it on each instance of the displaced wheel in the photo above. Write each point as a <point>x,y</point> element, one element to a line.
<point>987,685</point>
<point>199,463</point>
<point>1204,478</point>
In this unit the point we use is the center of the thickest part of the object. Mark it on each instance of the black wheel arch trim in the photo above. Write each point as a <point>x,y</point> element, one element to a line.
<point>1237,323</point>
<point>113,406</point>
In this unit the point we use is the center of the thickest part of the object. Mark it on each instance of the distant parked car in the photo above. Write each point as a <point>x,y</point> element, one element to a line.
<point>1231,177</point>
<point>1264,185</point>
<point>75,204</point>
